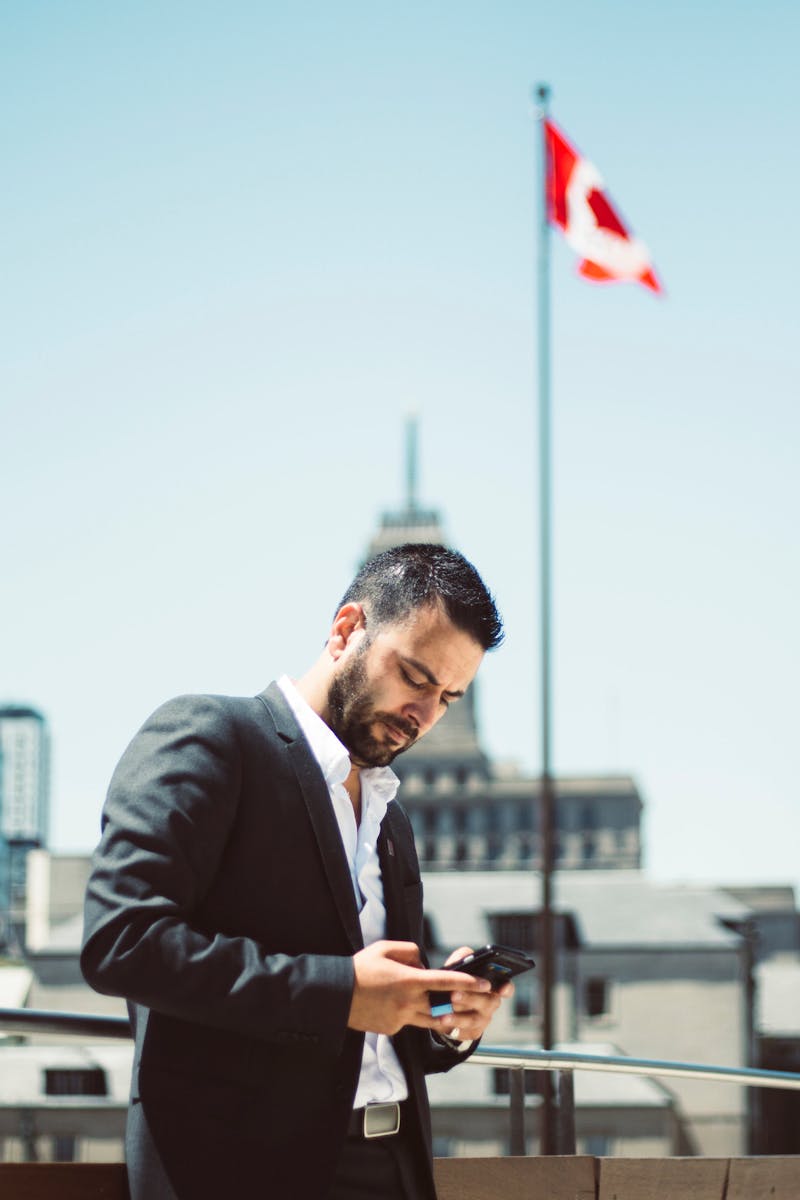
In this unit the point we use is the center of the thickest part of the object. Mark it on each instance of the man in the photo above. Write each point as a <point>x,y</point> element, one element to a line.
<point>256,897</point>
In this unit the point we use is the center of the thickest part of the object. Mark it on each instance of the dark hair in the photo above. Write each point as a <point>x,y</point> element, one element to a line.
<point>409,577</point>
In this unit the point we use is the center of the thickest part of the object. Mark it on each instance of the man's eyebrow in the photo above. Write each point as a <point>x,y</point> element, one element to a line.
<point>429,675</point>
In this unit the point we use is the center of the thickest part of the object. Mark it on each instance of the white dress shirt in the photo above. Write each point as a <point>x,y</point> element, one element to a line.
<point>382,1078</point>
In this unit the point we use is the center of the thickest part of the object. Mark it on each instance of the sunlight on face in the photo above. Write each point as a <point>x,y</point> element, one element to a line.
<point>395,684</point>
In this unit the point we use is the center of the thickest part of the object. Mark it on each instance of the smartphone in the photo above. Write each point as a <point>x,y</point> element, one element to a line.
<point>495,963</point>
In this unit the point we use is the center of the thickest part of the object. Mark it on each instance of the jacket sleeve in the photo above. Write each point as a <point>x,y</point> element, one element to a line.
<point>169,811</point>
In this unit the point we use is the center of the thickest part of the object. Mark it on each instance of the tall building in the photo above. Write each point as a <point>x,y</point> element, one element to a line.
<point>24,774</point>
<point>5,891</point>
<point>24,801</point>
<point>469,813</point>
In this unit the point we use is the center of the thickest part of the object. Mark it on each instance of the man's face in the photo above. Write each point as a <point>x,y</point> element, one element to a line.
<point>391,687</point>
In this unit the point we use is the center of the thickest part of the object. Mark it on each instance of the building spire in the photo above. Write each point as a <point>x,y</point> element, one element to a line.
<point>409,522</point>
<point>411,462</point>
<point>454,740</point>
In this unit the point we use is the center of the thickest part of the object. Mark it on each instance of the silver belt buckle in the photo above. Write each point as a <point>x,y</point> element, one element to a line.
<point>381,1120</point>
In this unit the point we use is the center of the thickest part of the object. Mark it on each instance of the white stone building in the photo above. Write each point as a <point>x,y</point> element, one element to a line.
<point>657,971</point>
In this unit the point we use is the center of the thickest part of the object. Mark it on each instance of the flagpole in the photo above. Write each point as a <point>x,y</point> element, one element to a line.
<point>547,797</point>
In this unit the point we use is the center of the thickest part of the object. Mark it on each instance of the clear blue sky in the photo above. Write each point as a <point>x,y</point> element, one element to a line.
<point>240,241</point>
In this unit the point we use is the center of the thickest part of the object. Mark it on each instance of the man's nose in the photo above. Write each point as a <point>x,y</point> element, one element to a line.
<point>424,711</point>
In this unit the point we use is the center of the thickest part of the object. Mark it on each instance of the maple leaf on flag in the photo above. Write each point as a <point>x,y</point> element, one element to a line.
<point>578,204</point>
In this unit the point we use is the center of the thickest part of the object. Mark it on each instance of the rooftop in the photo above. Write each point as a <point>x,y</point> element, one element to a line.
<point>612,909</point>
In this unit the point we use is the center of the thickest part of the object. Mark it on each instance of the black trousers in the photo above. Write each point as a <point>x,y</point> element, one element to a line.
<point>369,1169</point>
<point>385,1168</point>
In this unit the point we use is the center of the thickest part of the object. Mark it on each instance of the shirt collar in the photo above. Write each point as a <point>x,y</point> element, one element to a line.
<point>331,755</point>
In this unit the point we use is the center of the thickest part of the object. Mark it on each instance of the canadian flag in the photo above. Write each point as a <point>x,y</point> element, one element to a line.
<point>578,204</point>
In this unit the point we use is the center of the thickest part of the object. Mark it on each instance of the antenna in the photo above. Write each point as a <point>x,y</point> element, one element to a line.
<point>411,462</point>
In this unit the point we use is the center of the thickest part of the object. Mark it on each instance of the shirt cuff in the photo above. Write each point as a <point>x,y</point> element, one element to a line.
<point>454,1043</point>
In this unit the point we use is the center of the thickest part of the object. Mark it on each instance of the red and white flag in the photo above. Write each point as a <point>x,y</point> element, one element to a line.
<point>578,204</point>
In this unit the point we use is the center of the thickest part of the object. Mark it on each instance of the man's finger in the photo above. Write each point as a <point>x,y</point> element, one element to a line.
<point>451,981</point>
<point>403,952</point>
<point>461,952</point>
<point>469,1000</point>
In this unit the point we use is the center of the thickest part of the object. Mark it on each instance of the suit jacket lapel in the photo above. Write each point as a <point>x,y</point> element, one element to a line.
<point>320,810</point>
<point>397,924</point>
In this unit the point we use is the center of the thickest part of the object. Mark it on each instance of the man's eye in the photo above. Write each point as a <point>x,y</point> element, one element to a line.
<point>415,683</point>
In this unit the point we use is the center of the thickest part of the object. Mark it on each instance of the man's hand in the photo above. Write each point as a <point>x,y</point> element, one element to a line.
<point>472,1011</point>
<point>391,990</point>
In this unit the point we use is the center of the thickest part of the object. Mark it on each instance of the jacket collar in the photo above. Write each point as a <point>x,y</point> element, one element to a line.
<point>315,794</point>
<point>314,790</point>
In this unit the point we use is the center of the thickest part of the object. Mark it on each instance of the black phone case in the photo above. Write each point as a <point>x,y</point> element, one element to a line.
<point>498,964</point>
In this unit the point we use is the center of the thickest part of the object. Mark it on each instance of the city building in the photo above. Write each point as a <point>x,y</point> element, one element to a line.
<point>64,1103</point>
<point>56,886</point>
<point>24,775</point>
<point>5,892</point>
<point>649,969</point>
<point>24,802</point>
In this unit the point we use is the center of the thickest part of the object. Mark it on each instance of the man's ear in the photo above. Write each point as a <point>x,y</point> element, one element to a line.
<point>350,621</point>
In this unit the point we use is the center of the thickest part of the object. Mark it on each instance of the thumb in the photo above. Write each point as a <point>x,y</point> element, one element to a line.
<point>402,952</point>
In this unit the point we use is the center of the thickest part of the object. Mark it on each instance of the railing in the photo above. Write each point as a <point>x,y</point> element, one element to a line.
<point>564,1064</point>
<point>514,1058</point>
<point>37,1020</point>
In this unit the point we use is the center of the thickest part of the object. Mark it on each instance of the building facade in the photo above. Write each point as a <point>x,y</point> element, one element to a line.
<point>24,802</point>
<point>646,969</point>
<point>24,775</point>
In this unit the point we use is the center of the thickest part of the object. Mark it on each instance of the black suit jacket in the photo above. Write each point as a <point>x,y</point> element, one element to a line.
<point>220,905</point>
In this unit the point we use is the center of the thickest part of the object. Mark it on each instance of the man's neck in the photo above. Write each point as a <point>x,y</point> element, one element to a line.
<point>352,786</point>
<point>313,687</point>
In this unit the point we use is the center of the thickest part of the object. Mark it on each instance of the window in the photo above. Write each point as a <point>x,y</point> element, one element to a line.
<point>525,1001</point>
<point>513,929</point>
<point>491,818</point>
<point>588,817</point>
<point>75,1081</point>
<point>522,929</point>
<point>526,816</point>
<point>494,848</point>
<point>525,849</point>
<point>595,997</point>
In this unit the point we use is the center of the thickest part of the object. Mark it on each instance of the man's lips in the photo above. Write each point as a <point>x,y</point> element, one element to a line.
<point>397,733</point>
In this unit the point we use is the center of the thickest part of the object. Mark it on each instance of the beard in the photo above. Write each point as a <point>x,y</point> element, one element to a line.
<point>357,723</point>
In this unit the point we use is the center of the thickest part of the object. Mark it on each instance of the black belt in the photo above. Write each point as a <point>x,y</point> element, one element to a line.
<point>377,1120</point>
